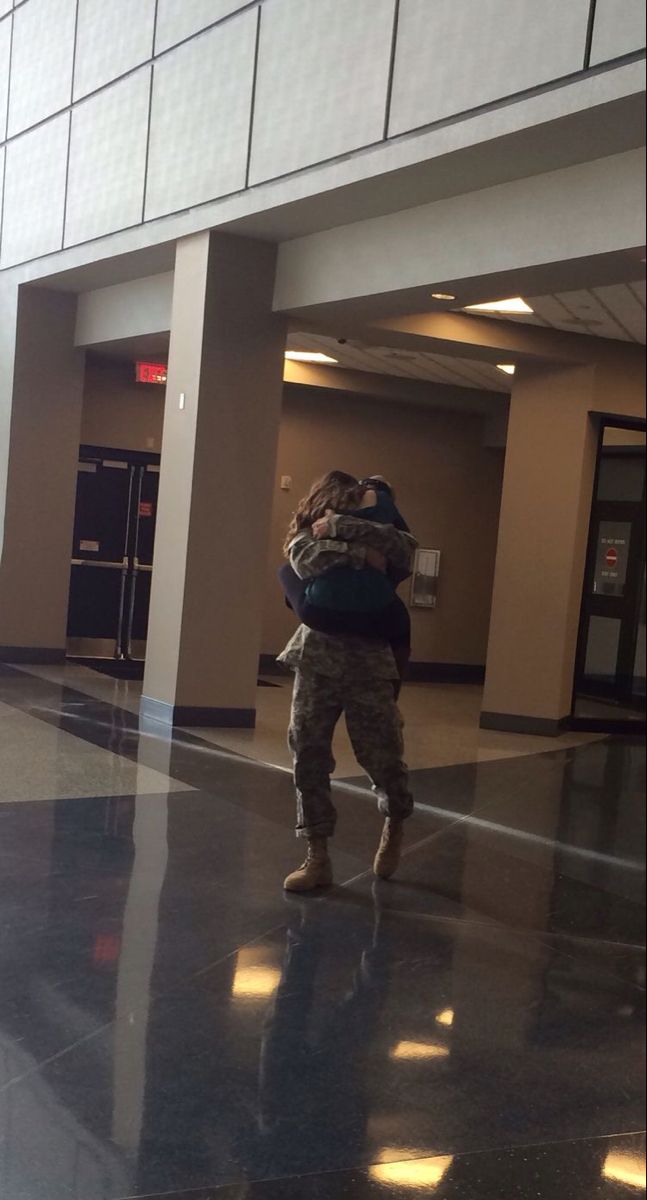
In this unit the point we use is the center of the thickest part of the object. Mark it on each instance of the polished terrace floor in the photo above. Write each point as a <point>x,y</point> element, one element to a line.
<point>172,1025</point>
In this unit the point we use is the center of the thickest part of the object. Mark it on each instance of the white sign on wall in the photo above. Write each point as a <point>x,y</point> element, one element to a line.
<point>424,583</point>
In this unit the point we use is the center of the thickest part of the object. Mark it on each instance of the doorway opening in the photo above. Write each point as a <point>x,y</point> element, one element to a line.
<point>115,516</point>
<point>112,559</point>
<point>609,687</point>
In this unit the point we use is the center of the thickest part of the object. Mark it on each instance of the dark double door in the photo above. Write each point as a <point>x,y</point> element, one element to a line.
<point>610,668</point>
<point>112,553</point>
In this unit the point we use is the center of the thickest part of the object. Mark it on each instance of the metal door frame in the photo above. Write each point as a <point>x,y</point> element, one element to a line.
<point>137,462</point>
<point>632,584</point>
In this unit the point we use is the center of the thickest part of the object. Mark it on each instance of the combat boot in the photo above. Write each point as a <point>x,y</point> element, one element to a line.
<point>387,858</point>
<point>315,872</point>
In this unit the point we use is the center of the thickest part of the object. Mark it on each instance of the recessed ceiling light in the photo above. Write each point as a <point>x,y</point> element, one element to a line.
<point>442,296</point>
<point>307,356</point>
<point>509,368</point>
<point>513,305</point>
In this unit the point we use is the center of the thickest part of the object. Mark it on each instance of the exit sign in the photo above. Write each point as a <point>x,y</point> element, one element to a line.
<point>146,372</point>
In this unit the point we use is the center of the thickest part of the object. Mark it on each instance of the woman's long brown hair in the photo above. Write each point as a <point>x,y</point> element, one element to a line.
<point>336,490</point>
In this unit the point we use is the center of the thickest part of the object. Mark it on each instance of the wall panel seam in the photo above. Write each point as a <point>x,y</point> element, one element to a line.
<point>252,110</point>
<point>457,118</point>
<point>2,192</point>
<point>5,133</point>
<point>67,176</point>
<point>5,130</point>
<point>590,28</point>
<point>76,34</point>
<point>488,106</point>
<point>394,50</point>
<point>69,126</point>
<point>207,28</point>
<point>537,89</point>
<point>148,136</point>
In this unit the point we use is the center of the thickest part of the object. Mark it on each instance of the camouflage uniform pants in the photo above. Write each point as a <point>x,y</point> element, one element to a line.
<point>375,730</point>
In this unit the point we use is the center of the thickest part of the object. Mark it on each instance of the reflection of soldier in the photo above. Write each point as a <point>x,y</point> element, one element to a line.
<point>312,1062</point>
<point>354,675</point>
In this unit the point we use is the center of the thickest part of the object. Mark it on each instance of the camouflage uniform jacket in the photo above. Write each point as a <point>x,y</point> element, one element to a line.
<point>331,654</point>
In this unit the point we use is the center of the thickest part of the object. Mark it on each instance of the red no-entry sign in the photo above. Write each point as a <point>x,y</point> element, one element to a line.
<point>611,557</point>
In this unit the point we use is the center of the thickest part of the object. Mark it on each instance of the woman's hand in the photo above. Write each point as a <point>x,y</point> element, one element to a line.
<point>324,527</point>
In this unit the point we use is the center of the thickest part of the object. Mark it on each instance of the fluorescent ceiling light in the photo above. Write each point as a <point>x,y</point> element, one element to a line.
<point>415,1173</point>
<point>623,1167</point>
<point>509,368</point>
<point>308,356</point>
<point>419,1050</point>
<point>442,296</point>
<point>514,305</point>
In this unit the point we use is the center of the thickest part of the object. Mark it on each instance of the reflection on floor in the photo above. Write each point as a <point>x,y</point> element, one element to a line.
<point>441,722</point>
<point>172,1025</point>
<point>441,729</point>
<point>588,706</point>
<point>41,761</point>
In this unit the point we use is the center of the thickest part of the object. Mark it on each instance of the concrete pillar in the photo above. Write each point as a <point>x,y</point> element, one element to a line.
<point>222,413</point>
<point>41,397</point>
<point>541,551</point>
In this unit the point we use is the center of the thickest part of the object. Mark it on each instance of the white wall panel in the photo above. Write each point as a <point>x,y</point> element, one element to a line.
<point>108,160</point>
<point>178,19</point>
<point>35,192</point>
<point>111,39</point>
<point>202,96</point>
<point>2,158</point>
<point>41,66</point>
<point>5,44</point>
<point>5,7</point>
<point>453,55</point>
<point>619,28</point>
<point>322,81</point>
<point>123,310</point>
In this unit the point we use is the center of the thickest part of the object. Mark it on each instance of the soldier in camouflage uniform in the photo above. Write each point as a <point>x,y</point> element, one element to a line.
<point>337,674</point>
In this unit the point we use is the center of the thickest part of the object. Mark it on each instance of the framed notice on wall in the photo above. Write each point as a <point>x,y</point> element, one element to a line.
<point>424,583</point>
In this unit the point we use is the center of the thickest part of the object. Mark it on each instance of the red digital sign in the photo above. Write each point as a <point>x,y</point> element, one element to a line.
<point>146,372</point>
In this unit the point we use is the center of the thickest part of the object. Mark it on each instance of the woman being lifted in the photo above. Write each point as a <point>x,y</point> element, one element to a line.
<point>346,673</point>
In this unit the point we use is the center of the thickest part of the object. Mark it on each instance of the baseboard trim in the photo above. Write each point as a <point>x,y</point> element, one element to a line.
<point>267,665</point>
<point>440,672</point>
<point>44,655</point>
<point>172,715</point>
<point>513,723</point>
<point>619,727</point>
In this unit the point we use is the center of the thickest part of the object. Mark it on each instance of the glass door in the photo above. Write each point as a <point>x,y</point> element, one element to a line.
<point>610,667</point>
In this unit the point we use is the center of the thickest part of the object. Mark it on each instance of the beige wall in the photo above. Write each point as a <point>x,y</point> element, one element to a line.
<point>119,412</point>
<point>43,437</point>
<point>543,534</point>
<point>221,422</point>
<point>448,486</point>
